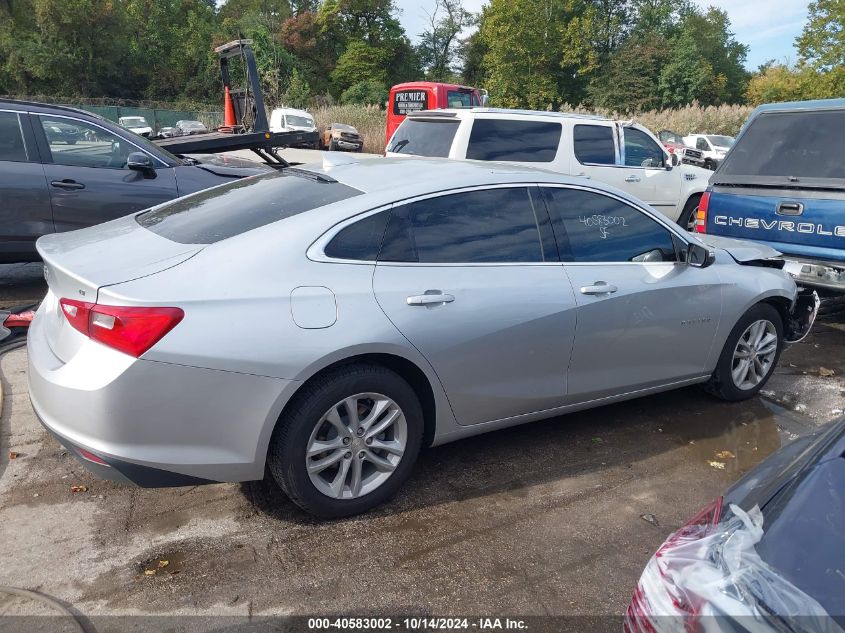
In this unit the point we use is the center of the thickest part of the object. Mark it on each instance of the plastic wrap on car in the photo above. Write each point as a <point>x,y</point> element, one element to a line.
<point>724,585</point>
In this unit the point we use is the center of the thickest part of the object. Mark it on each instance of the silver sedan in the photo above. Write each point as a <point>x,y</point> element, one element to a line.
<point>329,321</point>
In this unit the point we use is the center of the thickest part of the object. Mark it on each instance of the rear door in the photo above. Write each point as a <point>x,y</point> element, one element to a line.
<point>25,213</point>
<point>645,318</point>
<point>532,142</point>
<point>87,176</point>
<point>783,183</point>
<point>472,280</point>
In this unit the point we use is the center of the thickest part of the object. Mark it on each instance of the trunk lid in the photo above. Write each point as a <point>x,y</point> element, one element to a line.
<point>78,263</point>
<point>804,223</point>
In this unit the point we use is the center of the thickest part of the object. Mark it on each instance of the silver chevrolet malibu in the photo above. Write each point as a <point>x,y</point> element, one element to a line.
<point>329,321</point>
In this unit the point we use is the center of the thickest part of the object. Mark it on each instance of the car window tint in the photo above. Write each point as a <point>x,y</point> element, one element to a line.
<point>360,240</point>
<point>493,225</point>
<point>424,137</point>
<point>593,227</point>
<point>503,139</point>
<point>12,147</point>
<point>701,144</point>
<point>790,144</point>
<point>594,144</point>
<point>222,212</point>
<point>641,150</point>
<point>79,144</point>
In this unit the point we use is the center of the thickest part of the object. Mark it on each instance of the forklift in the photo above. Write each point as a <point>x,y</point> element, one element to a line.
<point>249,129</point>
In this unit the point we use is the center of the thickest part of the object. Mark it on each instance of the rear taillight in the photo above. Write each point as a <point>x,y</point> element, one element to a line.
<point>701,213</point>
<point>129,329</point>
<point>19,319</point>
<point>656,595</point>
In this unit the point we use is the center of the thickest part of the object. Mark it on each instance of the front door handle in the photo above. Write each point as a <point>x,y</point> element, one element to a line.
<point>599,288</point>
<point>632,178</point>
<point>582,175</point>
<point>430,298</point>
<point>67,183</point>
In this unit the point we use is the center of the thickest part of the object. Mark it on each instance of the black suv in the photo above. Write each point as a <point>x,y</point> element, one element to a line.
<point>63,169</point>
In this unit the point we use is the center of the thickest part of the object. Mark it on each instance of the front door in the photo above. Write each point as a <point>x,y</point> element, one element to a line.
<point>644,317</point>
<point>87,177</point>
<point>467,279</point>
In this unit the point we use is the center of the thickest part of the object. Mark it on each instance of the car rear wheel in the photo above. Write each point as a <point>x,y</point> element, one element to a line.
<point>348,441</point>
<point>749,356</point>
<point>332,146</point>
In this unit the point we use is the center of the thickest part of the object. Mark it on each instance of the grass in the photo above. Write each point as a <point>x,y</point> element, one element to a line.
<point>370,121</point>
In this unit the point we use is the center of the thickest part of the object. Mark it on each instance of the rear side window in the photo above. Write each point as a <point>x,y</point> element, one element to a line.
<point>524,141</point>
<point>592,227</point>
<point>223,212</point>
<point>488,226</point>
<point>790,144</point>
<point>424,137</point>
<point>361,240</point>
<point>594,145</point>
<point>12,147</point>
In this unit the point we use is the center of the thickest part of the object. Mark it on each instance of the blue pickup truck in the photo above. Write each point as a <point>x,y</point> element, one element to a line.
<point>783,184</point>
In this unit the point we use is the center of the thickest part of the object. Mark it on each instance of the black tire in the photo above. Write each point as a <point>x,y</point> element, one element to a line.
<point>317,145</point>
<point>332,146</point>
<point>721,384</point>
<point>287,453</point>
<point>687,218</point>
<point>709,164</point>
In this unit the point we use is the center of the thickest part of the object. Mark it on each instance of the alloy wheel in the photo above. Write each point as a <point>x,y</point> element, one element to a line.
<point>754,354</point>
<point>356,446</point>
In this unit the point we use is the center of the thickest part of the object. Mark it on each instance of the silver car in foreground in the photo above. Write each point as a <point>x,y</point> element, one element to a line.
<point>329,321</point>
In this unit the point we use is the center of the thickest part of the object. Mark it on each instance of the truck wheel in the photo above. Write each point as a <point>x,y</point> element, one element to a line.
<point>709,164</point>
<point>749,356</point>
<point>687,217</point>
<point>332,146</point>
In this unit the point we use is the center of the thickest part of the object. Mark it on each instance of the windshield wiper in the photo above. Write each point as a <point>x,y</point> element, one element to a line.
<point>399,145</point>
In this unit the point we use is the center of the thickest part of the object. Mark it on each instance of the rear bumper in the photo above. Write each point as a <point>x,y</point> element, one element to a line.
<point>154,423</point>
<point>814,273</point>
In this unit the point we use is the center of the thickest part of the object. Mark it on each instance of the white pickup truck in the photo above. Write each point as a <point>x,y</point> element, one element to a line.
<point>623,154</point>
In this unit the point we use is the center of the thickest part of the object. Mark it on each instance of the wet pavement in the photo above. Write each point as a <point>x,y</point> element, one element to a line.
<point>545,518</point>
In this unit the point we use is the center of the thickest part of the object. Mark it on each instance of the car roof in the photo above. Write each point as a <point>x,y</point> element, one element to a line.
<point>463,112</point>
<point>293,111</point>
<point>812,104</point>
<point>45,108</point>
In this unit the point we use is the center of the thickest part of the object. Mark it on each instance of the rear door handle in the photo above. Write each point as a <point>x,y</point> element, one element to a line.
<point>67,184</point>
<point>632,178</point>
<point>430,298</point>
<point>582,175</point>
<point>599,288</point>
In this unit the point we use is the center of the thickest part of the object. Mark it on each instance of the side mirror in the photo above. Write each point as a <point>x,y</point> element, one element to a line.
<point>139,161</point>
<point>675,160</point>
<point>700,256</point>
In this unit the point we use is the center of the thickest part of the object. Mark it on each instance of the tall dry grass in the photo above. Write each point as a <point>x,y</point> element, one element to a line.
<point>692,119</point>
<point>370,121</point>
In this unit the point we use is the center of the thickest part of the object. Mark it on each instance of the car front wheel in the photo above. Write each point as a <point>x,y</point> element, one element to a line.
<point>749,356</point>
<point>348,441</point>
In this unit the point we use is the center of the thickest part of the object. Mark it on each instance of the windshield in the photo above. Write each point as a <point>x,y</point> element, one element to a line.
<point>671,137</point>
<point>720,141</point>
<point>424,137</point>
<point>135,121</point>
<point>299,121</point>
<point>222,212</point>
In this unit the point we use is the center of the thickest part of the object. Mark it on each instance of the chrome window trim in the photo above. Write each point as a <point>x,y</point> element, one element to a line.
<point>105,129</point>
<point>316,252</point>
<point>23,138</point>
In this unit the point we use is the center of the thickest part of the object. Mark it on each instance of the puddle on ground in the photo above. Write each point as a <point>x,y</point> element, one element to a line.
<point>166,564</point>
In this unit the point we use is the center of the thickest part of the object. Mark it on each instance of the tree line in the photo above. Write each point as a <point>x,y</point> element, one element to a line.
<point>622,55</point>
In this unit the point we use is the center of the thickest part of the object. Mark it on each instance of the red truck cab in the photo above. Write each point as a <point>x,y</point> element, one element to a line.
<point>428,95</point>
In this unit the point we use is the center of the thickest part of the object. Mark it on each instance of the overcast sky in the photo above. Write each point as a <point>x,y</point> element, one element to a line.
<point>769,28</point>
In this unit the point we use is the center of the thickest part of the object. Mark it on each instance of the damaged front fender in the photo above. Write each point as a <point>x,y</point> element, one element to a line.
<point>801,316</point>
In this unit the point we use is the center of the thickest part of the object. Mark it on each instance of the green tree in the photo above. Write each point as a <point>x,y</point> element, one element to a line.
<point>360,62</point>
<point>629,81</point>
<point>821,47</point>
<point>298,93</point>
<point>367,92</point>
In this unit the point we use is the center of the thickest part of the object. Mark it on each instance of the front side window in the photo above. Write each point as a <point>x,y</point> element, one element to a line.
<point>641,150</point>
<point>524,141</point>
<point>80,144</point>
<point>591,227</point>
<point>702,145</point>
<point>12,147</point>
<point>424,137</point>
<point>459,99</point>
<point>487,226</point>
<point>594,145</point>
